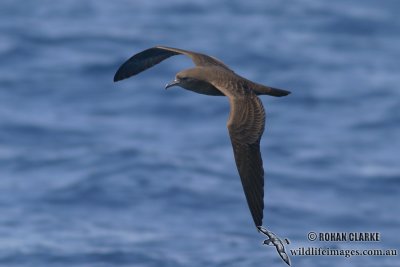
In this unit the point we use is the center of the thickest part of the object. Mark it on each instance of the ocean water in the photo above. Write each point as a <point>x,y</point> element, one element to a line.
<point>96,173</point>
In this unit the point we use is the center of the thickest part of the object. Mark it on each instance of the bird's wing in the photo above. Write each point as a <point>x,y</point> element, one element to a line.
<point>152,56</point>
<point>246,125</point>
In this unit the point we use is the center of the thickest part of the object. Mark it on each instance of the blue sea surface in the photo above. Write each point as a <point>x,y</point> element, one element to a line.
<point>96,173</point>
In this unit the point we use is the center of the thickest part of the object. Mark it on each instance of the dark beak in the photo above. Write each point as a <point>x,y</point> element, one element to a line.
<point>173,83</point>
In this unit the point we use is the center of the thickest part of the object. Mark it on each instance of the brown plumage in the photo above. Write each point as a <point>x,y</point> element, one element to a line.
<point>247,117</point>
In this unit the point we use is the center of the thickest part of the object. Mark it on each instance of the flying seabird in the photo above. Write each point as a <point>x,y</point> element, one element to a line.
<point>246,120</point>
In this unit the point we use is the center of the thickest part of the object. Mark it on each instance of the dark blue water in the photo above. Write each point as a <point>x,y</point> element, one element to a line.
<point>94,173</point>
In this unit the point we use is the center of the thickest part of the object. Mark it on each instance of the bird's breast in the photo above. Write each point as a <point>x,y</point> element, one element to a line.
<point>202,87</point>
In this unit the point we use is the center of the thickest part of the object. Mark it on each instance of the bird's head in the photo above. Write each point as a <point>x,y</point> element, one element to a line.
<point>188,79</point>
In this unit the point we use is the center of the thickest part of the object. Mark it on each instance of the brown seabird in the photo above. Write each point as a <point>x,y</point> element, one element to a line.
<point>246,119</point>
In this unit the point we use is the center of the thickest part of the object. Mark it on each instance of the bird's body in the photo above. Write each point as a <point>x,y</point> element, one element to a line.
<point>247,117</point>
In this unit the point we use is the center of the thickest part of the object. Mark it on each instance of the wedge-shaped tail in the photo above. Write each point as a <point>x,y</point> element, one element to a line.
<point>260,89</point>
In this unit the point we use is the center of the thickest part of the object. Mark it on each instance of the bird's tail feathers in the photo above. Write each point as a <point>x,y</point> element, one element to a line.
<point>266,90</point>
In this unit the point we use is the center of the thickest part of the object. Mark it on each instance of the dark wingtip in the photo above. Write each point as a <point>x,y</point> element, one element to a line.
<point>121,73</point>
<point>117,77</point>
<point>142,61</point>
